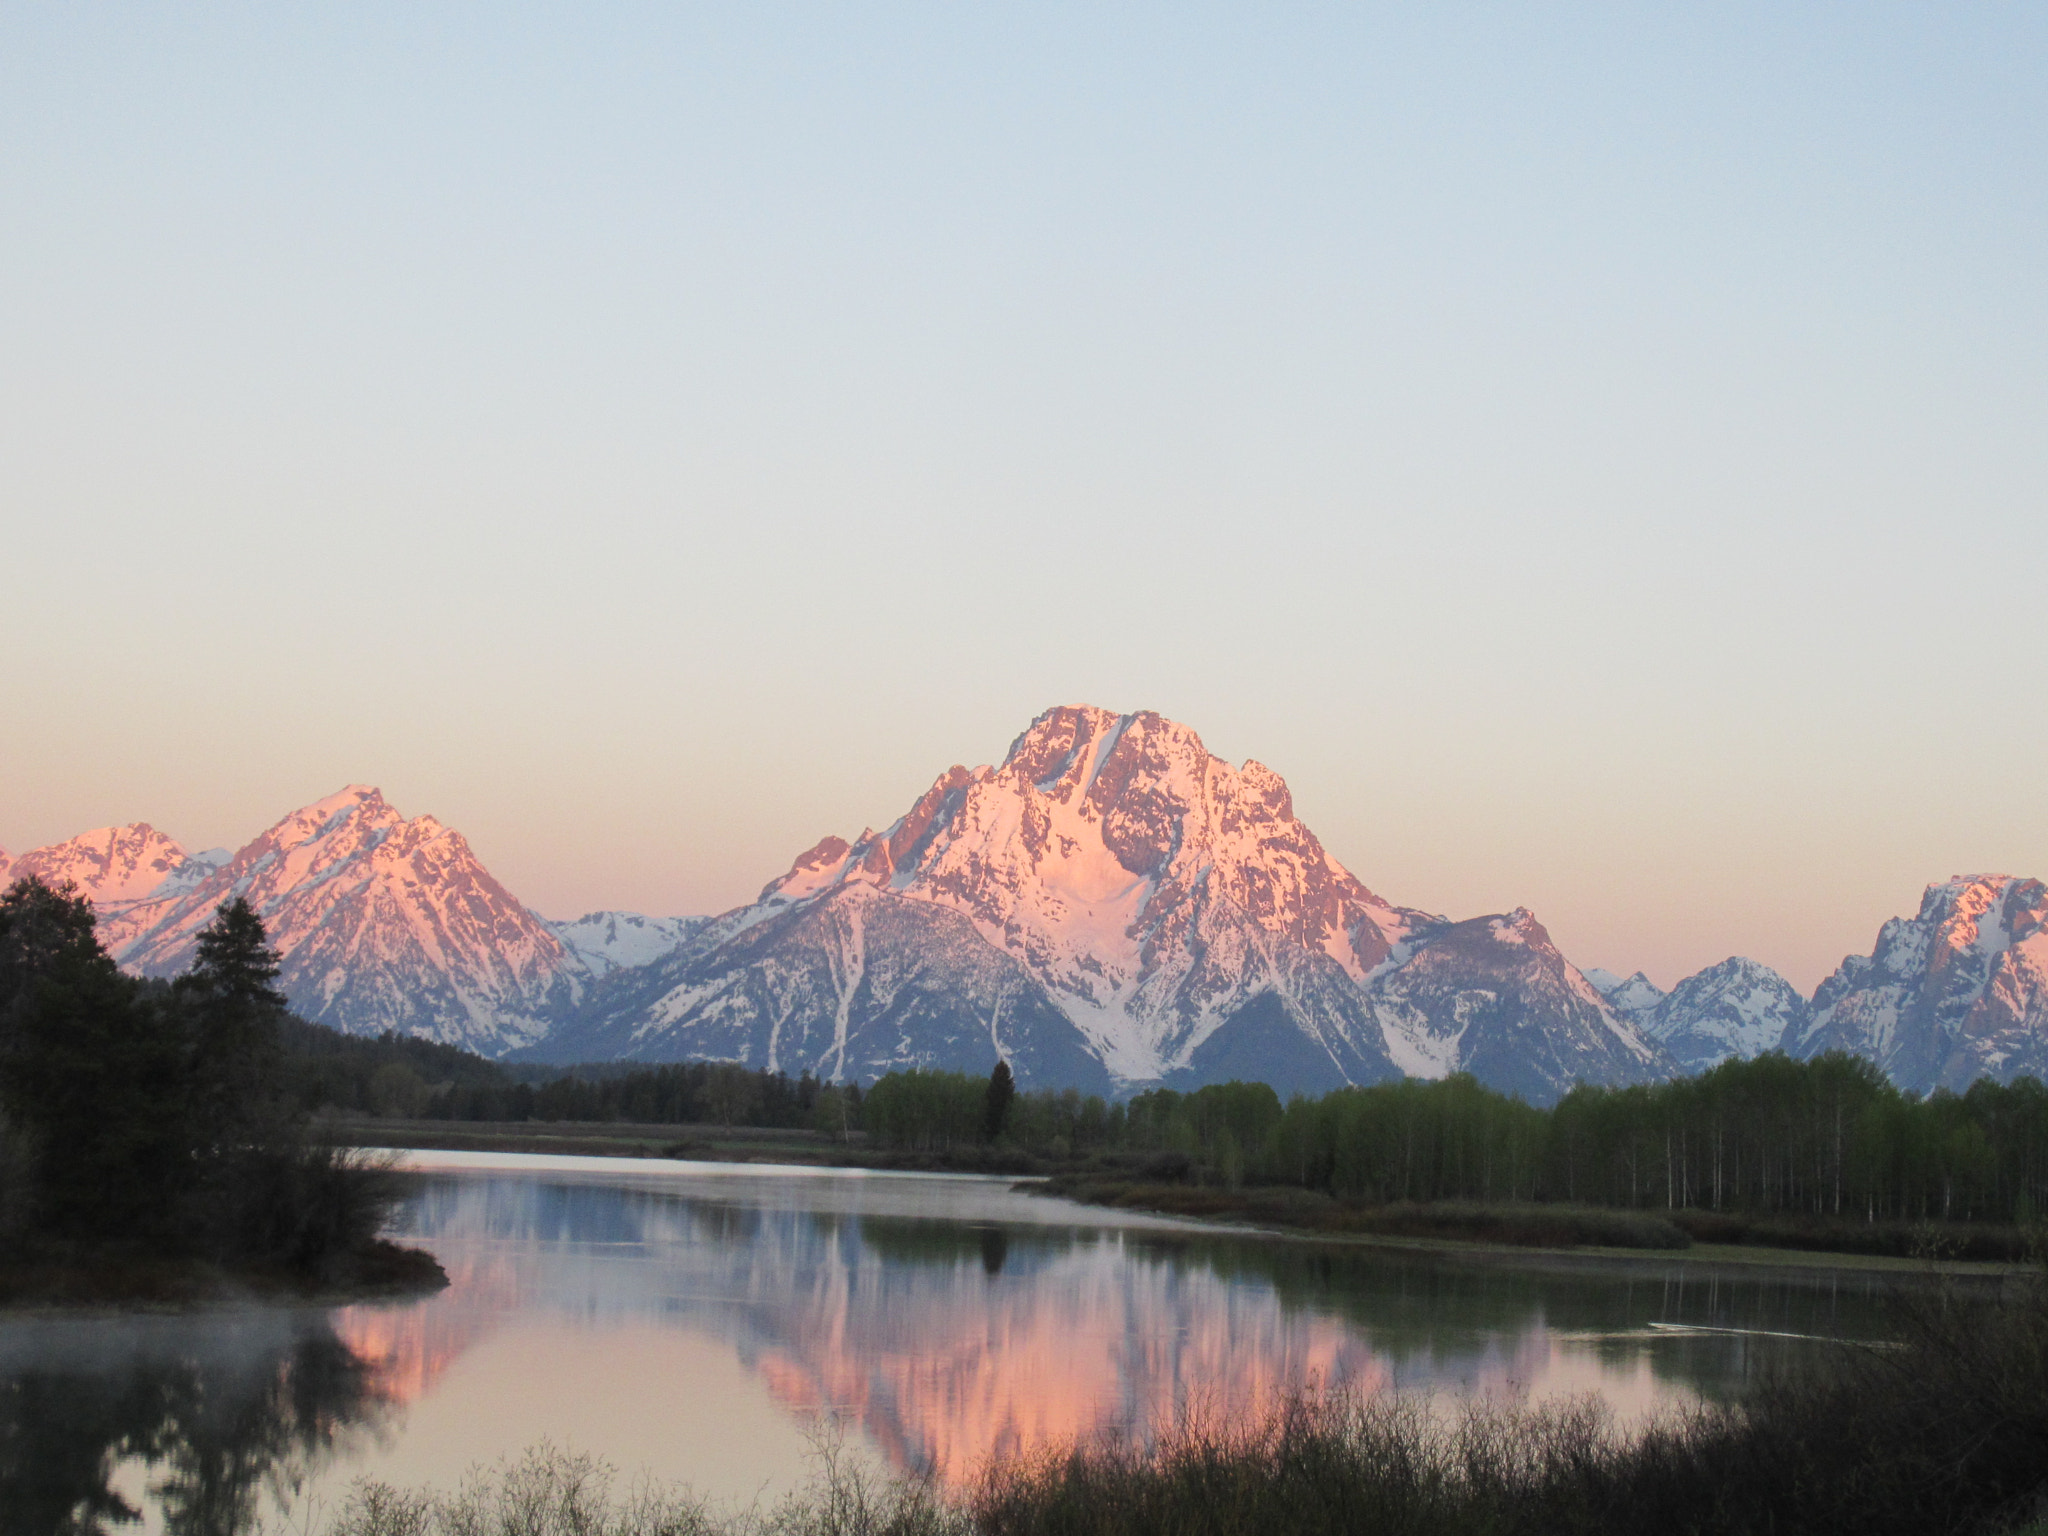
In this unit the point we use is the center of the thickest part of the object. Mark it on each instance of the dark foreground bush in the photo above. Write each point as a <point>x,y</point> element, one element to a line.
<point>1996,1243</point>
<point>1945,1432</point>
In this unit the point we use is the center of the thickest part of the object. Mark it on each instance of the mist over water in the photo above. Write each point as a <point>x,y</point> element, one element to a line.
<point>701,1322</point>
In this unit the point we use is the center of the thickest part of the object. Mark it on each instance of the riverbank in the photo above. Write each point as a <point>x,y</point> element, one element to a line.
<point>691,1143</point>
<point>1529,1232</point>
<point>1572,1236</point>
<point>66,1277</point>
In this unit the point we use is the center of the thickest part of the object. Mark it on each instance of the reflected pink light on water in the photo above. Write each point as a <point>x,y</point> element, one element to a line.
<point>409,1347</point>
<point>943,1372</point>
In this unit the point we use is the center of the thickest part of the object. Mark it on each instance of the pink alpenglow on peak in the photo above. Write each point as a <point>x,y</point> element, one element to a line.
<point>380,922</point>
<point>1956,992</point>
<point>112,866</point>
<point>1113,905</point>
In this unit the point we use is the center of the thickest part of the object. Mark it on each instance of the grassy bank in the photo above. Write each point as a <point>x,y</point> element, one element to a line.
<point>1946,1431</point>
<point>1538,1225</point>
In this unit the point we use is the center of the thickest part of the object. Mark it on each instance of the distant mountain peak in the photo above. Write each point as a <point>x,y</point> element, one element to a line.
<point>380,922</point>
<point>1737,1008</point>
<point>1634,995</point>
<point>112,866</point>
<point>1955,992</point>
<point>1133,899</point>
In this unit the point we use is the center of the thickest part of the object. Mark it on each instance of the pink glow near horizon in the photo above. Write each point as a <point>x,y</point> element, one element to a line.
<point>1621,910</point>
<point>1595,461</point>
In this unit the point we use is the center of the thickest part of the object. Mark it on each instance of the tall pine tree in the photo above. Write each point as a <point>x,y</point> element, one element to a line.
<point>996,1101</point>
<point>232,1012</point>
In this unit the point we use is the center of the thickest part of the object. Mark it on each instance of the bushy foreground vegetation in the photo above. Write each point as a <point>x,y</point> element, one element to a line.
<point>143,1120</point>
<point>1944,1432</point>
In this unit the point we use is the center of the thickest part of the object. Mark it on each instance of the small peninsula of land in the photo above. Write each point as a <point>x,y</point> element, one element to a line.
<point>151,1149</point>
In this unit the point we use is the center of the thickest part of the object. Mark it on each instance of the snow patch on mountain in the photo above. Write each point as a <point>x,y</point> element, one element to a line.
<point>603,942</point>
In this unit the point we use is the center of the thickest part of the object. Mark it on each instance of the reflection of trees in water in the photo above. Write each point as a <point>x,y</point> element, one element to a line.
<point>220,1408</point>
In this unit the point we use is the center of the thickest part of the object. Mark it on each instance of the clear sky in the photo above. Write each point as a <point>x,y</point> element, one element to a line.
<point>1598,454</point>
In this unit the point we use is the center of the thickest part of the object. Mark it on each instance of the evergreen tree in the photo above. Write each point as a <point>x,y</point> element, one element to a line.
<point>231,1012</point>
<point>1002,1091</point>
<point>43,931</point>
<point>235,962</point>
<point>92,1068</point>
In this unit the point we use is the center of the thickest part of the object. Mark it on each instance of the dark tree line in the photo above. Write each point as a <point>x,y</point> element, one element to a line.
<point>405,1077</point>
<point>1829,1137</point>
<point>684,1093</point>
<point>156,1115</point>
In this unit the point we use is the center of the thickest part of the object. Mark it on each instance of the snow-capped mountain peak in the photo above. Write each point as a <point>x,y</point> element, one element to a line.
<point>1633,995</point>
<point>1108,851</point>
<point>379,921</point>
<point>1955,992</point>
<point>1112,897</point>
<point>1738,1008</point>
<point>111,866</point>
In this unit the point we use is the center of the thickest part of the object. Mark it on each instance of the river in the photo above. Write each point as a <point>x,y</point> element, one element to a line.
<point>707,1323</point>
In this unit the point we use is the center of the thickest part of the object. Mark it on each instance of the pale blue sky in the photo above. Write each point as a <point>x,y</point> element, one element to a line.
<point>1598,458</point>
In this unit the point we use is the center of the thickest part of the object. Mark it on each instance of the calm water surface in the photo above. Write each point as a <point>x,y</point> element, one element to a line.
<point>699,1321</point>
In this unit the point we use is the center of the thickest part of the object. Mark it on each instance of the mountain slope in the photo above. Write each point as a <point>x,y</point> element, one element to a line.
<point>1493,996</point>
<point>1174,922</point>
<point>1956,992</point>
<point>381,923</point>
<point>853,983</point>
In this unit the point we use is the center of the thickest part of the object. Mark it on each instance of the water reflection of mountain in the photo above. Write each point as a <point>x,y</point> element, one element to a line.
<point>954,1339</point>
<point>208,1411</point>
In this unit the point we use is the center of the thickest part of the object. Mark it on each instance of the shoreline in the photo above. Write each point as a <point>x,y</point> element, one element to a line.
<point>769,1148</point>
<point>127,1281</point>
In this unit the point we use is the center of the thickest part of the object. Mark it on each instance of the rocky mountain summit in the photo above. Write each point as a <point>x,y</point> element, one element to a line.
<point>1111,903</point>
<point>115,867</point>
<point>1957,992</point>
<point>380,922</point>
<point>1738,1008</point>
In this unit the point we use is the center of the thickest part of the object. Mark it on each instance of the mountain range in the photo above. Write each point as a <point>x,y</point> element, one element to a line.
<point>1111,907</point>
